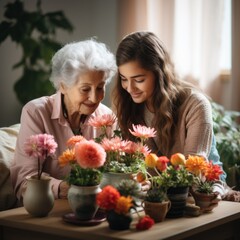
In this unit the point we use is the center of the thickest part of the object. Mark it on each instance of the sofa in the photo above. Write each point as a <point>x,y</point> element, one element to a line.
<point>8,137</point>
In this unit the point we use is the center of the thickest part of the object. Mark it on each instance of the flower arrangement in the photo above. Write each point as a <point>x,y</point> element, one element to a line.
<point>123,156</point>
<point>167,172</point>
<point>205,171</point>
<point>118,209</point>
<point>86,157</point>
<point>42,147</point>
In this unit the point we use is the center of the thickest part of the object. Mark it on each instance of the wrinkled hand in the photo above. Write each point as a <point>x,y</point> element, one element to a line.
<point>63,190</point>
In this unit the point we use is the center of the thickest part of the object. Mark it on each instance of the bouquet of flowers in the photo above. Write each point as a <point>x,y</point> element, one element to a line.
<point>86,157</point>
<point>42,147</point>
<point>206,173</point>
<point>123,156</point>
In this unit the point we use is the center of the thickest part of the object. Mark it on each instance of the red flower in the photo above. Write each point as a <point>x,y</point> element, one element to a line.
<point>145,223</point>
<point>108,197</point>
<point>213,172</point>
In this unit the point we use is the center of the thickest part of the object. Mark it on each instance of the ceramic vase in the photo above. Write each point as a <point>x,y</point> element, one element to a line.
<point>82,200</point>
<point>178,197</point>
<point>114,179</point>
<point>156,210</point>
<point>118,221</point>
<point>38,198</point>
<point>204,201</point>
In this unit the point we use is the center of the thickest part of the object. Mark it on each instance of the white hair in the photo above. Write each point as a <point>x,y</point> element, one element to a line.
<point>77,58</point>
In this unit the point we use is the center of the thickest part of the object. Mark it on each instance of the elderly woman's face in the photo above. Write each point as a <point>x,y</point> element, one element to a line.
<point>85,96</point>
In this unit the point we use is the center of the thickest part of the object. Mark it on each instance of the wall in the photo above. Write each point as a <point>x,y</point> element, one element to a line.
<point>89,17</point>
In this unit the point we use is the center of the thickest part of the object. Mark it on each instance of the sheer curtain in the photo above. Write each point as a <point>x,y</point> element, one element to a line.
<point>191,31</point>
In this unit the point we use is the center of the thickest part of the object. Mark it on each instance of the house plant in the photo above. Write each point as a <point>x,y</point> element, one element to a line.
<point>38,199</point>
<point>35,33</point>
<point>172,177</point>
<point>124,157</point>
<point>226,126</point>
<point>86,159</point>
<point>206,175</point>
<point>118,209</point>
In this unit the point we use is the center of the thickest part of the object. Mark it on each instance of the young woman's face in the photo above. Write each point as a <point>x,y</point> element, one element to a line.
<point>137,81</point>
<point>85,96</point>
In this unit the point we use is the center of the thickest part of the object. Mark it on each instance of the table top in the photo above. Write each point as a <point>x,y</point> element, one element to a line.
<point>168,229</point>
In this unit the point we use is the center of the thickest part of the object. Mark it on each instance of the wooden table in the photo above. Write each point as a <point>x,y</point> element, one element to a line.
<point>222,223</point>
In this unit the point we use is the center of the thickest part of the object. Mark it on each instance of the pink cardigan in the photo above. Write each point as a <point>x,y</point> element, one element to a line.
<point>44,115</point>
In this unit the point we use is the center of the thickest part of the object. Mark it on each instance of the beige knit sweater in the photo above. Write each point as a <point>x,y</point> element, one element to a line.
<point>193,134</point>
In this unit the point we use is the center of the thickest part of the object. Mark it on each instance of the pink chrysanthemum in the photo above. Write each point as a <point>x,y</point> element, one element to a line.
<point>40,146</point>
<point>105,120</point>
<point>90,154</point>
<point>114,144</point>
<point>142,132</point>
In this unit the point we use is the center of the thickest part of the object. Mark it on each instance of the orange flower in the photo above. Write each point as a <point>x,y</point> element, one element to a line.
<point>90,154</point>
<point>150,160</point>
<point>67,157</point>
<point>123,205</point>
<point>213,172</point>
<point>140,177</point>
<point>108,197</point>
<point>73,140</point>
<point>196,165</point>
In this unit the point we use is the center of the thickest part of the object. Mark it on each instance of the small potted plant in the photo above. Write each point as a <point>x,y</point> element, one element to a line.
<point>173,177</point>
<point>85,157</point>
<point>206,175</point>
<point>118,210</point>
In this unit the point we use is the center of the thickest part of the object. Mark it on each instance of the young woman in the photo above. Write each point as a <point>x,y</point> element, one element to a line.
<point>80,72</point>
<point>149,92</point>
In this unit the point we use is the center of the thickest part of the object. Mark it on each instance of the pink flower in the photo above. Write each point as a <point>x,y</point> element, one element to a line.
<point>102,121</point>
<point>40,146</point>
<point>115,144</point>
<point>90,154</point>
<point>142,132</point>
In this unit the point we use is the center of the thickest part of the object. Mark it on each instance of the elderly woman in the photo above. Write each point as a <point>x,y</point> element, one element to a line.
<point>80,72</point>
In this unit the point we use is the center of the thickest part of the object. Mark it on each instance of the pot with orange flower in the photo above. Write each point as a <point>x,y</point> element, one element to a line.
<point>171,176</point>
<point>86,157</point>
<point>124,157</point>
<point>38,198</point>
<point>203,189</point>
<point>118,210</point>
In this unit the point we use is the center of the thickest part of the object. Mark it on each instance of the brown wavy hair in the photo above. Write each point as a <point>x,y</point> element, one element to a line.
<point>169,93</point>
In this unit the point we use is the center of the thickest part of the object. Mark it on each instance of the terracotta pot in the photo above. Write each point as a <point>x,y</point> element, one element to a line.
<point>157,210</point>
<point>205,201</point>
<point>82,200</point>
<point>38,199</point>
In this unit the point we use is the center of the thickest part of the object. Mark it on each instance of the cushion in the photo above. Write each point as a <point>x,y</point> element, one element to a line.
<point>8,137</point>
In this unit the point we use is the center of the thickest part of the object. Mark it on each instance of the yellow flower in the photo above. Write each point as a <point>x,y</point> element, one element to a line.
<point>151,160</point>
<point>178,159</point>
<point>123,205</point>
<point>196,165</point>
<point>67,157</point>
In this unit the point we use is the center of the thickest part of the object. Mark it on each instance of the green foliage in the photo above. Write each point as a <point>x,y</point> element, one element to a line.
<point>129,187</point>
<point>174,177</point>
<point>84,177</point>
<point>35,33</point>
<point>227,131</point>
<point>156,195</point>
